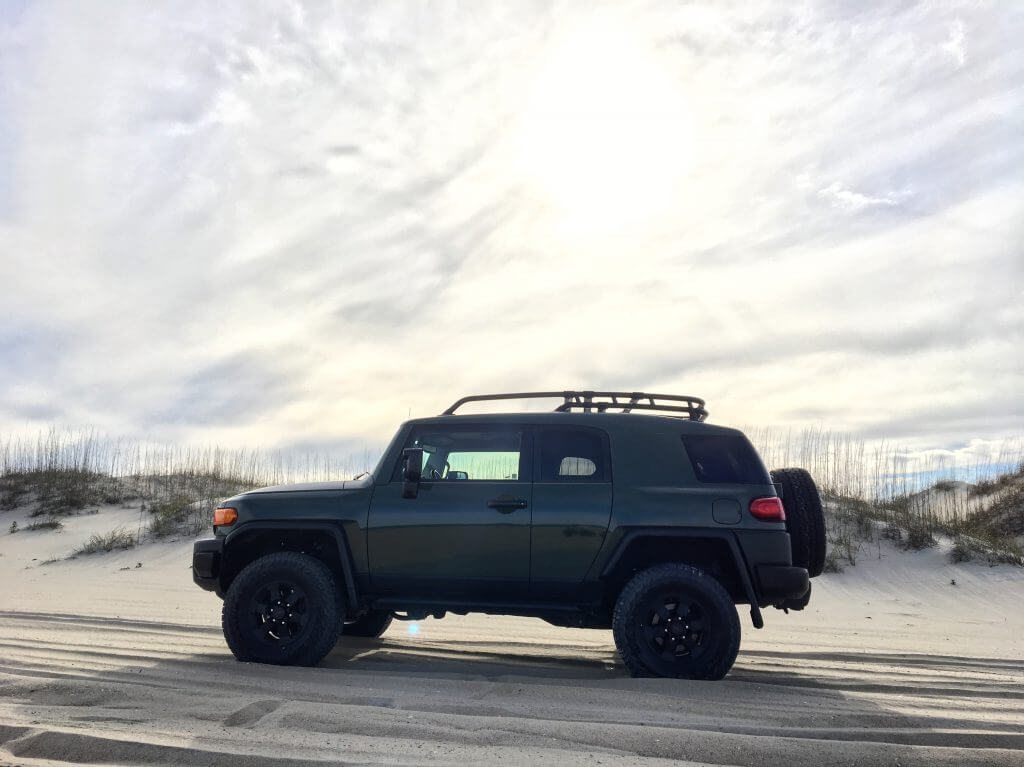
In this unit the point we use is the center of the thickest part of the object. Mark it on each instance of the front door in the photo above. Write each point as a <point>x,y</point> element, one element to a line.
<point>467,532</point>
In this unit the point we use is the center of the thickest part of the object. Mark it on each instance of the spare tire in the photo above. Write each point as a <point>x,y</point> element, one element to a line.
<point>805,521</point>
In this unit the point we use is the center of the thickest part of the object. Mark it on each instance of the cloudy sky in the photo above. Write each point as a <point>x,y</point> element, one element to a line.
<point>286,224</point>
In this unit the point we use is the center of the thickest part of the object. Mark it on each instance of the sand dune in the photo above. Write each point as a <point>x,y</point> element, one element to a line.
<point>892,664</point>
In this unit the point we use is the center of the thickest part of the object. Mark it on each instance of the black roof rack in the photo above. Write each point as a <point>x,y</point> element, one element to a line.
<point>603,401</point>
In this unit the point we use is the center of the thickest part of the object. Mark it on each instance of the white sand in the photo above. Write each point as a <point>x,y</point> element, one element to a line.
<point>890,665</point>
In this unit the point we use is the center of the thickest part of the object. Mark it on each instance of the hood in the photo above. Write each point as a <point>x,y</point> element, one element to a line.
<point>305,487</point>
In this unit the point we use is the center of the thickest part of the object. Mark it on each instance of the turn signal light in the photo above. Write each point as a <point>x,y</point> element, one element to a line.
<point>225,515</point>
<point>769,509</point>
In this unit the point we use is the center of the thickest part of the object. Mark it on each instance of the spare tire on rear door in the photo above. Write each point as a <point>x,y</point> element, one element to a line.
<point>805,521</point>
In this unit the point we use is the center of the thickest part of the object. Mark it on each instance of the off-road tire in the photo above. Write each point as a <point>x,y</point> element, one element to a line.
<point>372,624</point>
<point>805,521</point>
<point>245,635</point>
<point>638,604</point>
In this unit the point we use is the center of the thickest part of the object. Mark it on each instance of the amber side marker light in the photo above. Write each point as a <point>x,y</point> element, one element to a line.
<point>769,509</point>
<point>224,515</point>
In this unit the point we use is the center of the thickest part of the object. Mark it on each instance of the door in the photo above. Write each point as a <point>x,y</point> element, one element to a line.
<point>466,534</point>
<point>572,506</point>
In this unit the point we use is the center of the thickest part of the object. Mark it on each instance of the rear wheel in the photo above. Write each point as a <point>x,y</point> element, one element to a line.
<point>282,609</point>
<point>805,521</point>
<point>674,620</point>
<point>371,624</point>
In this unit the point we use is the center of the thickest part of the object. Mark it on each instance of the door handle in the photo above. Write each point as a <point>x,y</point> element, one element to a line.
<point>506,505</point>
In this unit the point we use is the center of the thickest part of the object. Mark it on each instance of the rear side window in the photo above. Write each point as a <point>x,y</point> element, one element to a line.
<point>725,459</point>
<point>571,455</point>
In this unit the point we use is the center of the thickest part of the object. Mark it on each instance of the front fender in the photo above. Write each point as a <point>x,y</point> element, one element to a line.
<point>236,537</point>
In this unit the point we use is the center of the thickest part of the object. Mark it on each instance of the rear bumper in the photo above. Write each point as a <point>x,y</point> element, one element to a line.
<point>206,559</point>
<point>783,585</point>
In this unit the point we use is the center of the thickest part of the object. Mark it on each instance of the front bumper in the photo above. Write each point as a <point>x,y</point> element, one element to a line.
<point>784,585</point>
<point>207,555</point>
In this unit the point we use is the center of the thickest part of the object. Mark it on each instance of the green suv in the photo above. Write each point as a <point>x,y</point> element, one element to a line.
<point>618,510</point>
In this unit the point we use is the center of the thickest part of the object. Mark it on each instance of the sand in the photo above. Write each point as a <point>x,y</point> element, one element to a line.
<point>891,664</point>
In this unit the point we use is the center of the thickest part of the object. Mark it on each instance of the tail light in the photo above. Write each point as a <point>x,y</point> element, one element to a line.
<point>224,515</point>
<point>768,509</point>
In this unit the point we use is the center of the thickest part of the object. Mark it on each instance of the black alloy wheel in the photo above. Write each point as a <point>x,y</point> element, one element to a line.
<point>675,620</point>
<point>675,625</point>
<point>279,611</point>
<point>282,608</point>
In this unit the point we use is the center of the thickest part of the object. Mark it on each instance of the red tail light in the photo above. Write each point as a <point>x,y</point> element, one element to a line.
<point>769,509</point>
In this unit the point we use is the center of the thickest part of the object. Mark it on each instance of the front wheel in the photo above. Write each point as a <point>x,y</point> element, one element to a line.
<point>282,609</point>
<point>674,620</point>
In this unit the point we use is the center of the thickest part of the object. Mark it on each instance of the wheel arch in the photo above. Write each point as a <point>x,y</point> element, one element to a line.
<point>714,551</point>
<point>322,540</point>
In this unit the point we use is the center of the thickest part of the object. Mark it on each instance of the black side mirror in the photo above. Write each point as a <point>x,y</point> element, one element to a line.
<point>412,471</point>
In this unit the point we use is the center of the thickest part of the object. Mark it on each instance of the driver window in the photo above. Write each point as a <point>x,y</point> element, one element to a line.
<point>467,454</point>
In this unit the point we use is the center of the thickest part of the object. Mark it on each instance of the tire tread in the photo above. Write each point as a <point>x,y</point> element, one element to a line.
<point>805,520</point>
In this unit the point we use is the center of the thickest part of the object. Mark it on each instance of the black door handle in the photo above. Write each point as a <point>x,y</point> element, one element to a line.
<point>506,505</point>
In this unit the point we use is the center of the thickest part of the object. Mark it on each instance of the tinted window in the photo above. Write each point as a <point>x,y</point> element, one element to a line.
<point>460,455</point>
<point>572,455</point>
<point>725,459</point>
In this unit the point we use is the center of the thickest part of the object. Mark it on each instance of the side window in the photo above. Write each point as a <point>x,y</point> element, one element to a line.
<point>725,459</point>
<point>467,454</point>
<point>572,455</point>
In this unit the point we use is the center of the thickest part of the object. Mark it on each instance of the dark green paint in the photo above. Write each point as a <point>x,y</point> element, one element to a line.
<point>447,545</point>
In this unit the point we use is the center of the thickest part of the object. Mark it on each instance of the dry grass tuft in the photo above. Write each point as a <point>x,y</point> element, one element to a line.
<point>49,524</point>
<point>115,539</point>
<point>177,515</point>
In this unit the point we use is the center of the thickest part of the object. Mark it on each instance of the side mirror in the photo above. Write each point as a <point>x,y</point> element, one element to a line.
<point>412,471</point>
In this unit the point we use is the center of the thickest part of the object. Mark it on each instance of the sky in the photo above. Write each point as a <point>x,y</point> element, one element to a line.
<point>286,224</point>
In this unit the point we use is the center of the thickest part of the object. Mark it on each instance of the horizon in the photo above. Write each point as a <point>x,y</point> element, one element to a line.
<point>295,228</point>
<point>844,464</point>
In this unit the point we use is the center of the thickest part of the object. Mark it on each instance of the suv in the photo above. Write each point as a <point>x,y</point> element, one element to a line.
<point>619,510</point>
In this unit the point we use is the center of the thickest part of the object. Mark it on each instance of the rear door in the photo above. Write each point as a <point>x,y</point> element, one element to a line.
<point>467,533</point>
<point>572,505</point>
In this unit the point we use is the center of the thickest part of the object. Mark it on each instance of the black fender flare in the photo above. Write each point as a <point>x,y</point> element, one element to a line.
<point>694,533</point>
<point>338,534</point>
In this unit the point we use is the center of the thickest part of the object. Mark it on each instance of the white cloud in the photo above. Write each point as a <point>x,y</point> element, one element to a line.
<point>847,199</point>
<point>954,46</point>
<point>251,223</point>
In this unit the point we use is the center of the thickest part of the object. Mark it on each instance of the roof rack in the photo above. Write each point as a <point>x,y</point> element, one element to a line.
<point>603,401</point>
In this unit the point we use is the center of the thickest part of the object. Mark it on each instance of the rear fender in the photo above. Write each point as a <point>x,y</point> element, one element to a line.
<point>618,567</point>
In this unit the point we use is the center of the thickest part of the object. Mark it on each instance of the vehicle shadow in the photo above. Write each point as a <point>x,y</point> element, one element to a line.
<point>479,658</point>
